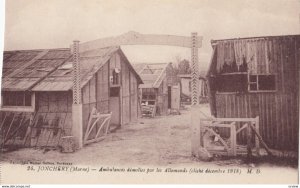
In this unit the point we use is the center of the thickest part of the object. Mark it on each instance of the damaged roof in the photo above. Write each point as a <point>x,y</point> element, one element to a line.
<point>61,78</point>
<point>22,70</point>
<point>51,70</point>
<point>152,74</point>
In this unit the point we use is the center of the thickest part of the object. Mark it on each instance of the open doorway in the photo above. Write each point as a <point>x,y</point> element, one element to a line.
<point>115,106</point>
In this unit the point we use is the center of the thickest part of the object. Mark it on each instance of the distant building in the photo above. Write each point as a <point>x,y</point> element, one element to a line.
<point>156,91</point>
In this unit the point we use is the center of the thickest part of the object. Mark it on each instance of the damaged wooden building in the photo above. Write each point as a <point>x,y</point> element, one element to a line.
<point>36,96</point>
<point>156,91</point>
<point>258,76</point>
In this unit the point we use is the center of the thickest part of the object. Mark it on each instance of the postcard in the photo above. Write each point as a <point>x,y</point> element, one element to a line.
<point>150,92</point>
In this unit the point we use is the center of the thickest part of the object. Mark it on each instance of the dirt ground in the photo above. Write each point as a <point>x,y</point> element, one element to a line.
<point>159,141</point>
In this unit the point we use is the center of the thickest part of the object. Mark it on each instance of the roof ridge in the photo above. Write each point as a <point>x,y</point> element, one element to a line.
<point>27,50</point>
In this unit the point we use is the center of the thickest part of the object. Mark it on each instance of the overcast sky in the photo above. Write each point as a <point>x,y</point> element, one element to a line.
<point>38,24</point>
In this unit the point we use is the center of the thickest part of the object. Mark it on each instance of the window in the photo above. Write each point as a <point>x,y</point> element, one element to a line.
<point>17,101</point>
<point>232,82</point>
<point>261,83</point>
<point>148,96</point>
<point>114,91</point>
<point>115,78</point>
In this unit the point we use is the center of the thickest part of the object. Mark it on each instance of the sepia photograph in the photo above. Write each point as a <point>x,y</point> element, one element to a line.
<point>150,92</point>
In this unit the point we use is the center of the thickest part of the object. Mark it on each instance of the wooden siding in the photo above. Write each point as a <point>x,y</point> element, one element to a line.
<point>95,94</point>
<point>51,121</point>
<point>133,97</point>
<point>126,108</point>
<point>53,118</point>
<point>162,98</point>
<point>278,111</point>
<point>278,115</point>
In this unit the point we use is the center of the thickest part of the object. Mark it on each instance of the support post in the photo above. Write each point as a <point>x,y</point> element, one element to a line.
<point>195,70</point>
<point>196,131</point>
<point>249,151</point>
<point>77,106</point>
<point>233,139</point>
<point>256,138</point>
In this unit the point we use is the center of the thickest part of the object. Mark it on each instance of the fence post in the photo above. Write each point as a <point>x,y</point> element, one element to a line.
<point>249,152</point>
<point>195,130</point>
<point>256,138</point>
<point>233,139</point>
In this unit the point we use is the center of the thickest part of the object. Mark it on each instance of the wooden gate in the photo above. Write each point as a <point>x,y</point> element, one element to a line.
<point>97,127</point>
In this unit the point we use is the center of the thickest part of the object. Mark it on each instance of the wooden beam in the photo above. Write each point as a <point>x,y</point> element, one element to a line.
<point>17,108</point>
<point>230,119</point>
<point>262,141</point>
<point>233,140</point>
<point>14,115</point>
<point>218,136</point>
<point>2,123</point>
<point>15,131</point>
<point>243,127</point>
<point>249,151</point>
<point>135,38</point>
<point>196,126</point>
<point>256,138</point>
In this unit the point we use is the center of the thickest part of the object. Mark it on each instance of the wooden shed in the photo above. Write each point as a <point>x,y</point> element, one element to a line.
<point>36,108</point>
<point>156,90</point>
<point>259,76</point>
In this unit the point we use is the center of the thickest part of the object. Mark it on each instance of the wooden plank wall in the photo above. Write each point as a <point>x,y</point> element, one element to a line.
<point>126,106</point>
<point>53,118</point>
<point>279,110</point>
<point>278,116</point>
<point>133,97</point>
<point>102,89</point>
<point>14,127</point>
<point>95,94</point>
<point>162,98</point>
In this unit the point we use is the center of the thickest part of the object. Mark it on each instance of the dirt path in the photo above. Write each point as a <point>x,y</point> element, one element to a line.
<point>151,141</point>
<point>159,141</point>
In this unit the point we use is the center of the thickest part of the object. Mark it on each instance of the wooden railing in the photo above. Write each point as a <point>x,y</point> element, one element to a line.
<point>206,134</point>
<point>209,125</point>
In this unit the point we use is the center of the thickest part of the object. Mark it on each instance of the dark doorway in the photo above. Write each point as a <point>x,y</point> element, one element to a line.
<point>114,106</point>
<point>169,96</point>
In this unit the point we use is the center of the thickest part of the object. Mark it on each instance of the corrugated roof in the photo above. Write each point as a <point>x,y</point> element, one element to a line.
<point>61,78</point>
<point>24,69</point>
<point>152,74</point>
